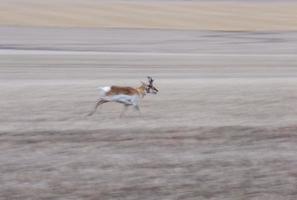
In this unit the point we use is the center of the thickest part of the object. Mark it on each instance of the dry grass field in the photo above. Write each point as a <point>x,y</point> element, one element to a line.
<point>167,14</point>
<point>222,127</point>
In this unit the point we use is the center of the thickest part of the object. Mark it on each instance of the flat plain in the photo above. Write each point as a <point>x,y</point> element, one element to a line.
<point>223,125</point>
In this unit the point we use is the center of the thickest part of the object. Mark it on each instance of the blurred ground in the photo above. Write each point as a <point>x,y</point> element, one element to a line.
<point>236,15</point>
<point>222,127</point>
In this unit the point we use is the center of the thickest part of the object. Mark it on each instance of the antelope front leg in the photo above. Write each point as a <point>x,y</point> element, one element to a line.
<point>136,107</point>
<point>99,102</point>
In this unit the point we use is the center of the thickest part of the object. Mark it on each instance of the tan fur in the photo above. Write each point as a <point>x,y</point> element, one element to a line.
<point>115,90</point>
<point>118,90</point>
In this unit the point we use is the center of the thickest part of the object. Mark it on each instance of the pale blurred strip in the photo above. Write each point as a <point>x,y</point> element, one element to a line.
<point>201,15</point>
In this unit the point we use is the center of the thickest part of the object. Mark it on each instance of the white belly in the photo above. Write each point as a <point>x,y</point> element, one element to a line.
<point>125,99</point>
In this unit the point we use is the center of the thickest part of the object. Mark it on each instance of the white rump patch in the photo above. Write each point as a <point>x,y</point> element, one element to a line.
<point>104,90</point>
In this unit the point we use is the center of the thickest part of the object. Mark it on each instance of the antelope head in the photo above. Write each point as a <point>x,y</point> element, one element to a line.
<point>151,89</point>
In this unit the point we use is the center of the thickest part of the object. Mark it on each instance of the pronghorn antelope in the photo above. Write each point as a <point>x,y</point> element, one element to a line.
<point>128,96</point>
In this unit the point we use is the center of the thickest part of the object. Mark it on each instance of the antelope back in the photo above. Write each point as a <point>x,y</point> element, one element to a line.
<point>116,90</point>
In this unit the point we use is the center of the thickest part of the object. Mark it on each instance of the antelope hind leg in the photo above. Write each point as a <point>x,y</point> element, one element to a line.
<point>99,102</point>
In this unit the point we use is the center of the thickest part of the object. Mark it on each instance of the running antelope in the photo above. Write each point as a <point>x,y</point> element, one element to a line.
<point>128,96</point>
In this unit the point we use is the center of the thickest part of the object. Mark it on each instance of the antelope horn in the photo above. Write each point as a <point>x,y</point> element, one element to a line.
<point>150,79</point>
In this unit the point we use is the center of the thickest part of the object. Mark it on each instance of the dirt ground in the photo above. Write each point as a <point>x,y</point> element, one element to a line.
<point>223,125</point>
<point>236,15</point>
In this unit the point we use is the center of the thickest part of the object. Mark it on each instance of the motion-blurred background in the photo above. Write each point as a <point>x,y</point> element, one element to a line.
<point>223,125</point>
